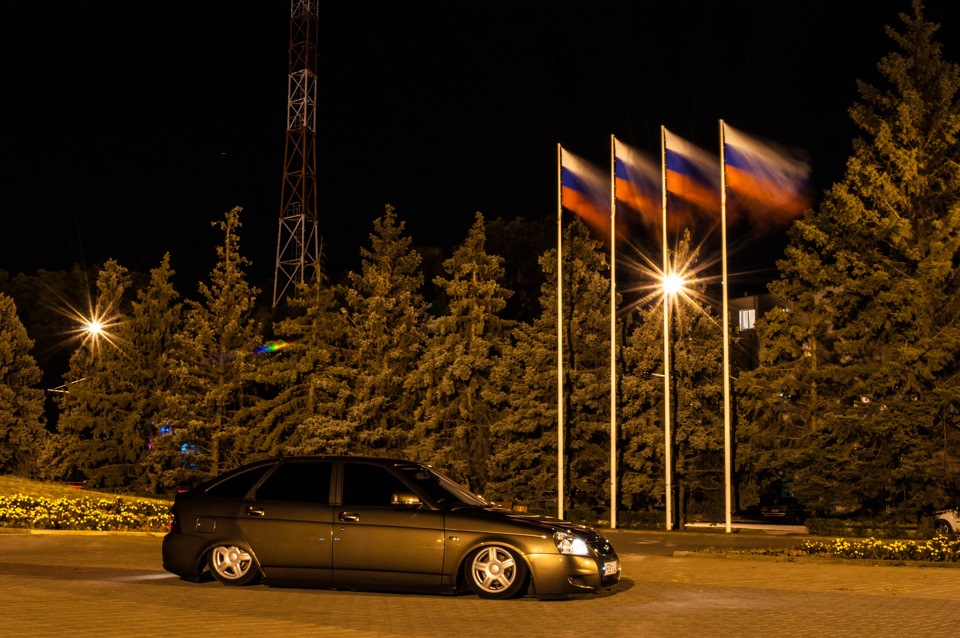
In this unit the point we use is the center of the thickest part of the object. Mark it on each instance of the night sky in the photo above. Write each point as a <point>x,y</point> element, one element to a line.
<point>129,127</point>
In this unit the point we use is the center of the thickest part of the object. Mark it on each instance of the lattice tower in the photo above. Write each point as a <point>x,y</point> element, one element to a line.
<point>298,241</point>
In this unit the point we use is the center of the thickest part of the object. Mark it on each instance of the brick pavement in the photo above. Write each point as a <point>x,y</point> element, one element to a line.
<point>114,586</point>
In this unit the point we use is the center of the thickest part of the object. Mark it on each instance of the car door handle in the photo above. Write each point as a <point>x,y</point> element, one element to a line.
<point>254,511</point>
<point>349,517</point>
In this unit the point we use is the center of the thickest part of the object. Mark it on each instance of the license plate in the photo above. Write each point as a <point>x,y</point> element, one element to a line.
<point>610,567</point>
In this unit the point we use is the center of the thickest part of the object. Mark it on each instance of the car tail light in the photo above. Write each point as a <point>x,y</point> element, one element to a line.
<point>174,521</point>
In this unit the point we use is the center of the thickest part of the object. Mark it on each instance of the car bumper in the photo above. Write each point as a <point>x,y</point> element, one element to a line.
<point>183,555</point>
<point>555,574</point>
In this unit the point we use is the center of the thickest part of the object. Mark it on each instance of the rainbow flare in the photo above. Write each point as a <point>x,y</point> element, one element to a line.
<point>271,347</point>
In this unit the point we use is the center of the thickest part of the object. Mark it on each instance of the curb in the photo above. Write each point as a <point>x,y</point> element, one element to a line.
<point>820,560</point>
<point>24,531</point>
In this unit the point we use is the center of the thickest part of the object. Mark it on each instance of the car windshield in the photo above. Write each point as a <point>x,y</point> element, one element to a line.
<point>441,489</point>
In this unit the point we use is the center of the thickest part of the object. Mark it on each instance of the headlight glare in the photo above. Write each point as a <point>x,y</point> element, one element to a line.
<point>570,544</point>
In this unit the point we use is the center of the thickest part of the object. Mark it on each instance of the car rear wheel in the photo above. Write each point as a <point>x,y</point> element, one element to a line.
<point>496,572</point>
<point>232,565</point>
<point>942,527</point>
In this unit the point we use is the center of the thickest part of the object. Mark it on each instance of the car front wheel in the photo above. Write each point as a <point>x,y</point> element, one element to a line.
<point>496,572</point>
<point>232,565</point>
<point>942,527</point>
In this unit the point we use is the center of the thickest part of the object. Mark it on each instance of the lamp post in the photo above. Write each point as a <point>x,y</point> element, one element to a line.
<point>672,284</point>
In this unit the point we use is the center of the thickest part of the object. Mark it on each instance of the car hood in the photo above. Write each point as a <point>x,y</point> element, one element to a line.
<point>556,524</point>
<point>495,519</point>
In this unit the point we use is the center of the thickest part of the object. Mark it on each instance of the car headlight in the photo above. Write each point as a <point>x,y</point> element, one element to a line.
<point>570,544</point>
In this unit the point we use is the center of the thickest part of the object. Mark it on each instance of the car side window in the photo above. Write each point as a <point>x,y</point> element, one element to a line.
<point>298,481</point>
<point>369,485</point>
<point>238,485</point>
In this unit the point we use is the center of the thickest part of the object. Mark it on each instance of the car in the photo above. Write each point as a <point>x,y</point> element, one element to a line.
<point>356,522</point>
<point>785,509</point>
<point>947,522</point>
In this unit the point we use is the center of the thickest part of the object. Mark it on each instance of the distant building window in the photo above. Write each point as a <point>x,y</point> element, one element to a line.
<point>747,318</point>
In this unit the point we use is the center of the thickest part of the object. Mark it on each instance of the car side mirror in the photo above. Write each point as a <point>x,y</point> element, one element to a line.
<point>404,499</point>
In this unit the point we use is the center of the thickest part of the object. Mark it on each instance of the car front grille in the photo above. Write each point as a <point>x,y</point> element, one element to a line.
<point>602,547</point>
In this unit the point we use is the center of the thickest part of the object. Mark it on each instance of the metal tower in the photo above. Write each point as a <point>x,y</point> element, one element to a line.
<point>298,243</point>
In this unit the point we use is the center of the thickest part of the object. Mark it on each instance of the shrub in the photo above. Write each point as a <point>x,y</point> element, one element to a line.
<point>117,514</point>
<point>939,549</point>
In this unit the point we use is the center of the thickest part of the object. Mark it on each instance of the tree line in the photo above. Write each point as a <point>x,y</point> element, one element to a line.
<point>852,398</point>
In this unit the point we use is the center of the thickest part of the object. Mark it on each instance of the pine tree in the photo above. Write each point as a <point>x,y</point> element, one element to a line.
<point>385,313</point>
<point>856,395</point>
<point>155,319</point>
<point>213,360</point>
<point>523,463</point>
<point>22,430</point>
<point>586,298</point>
<point>696,401</point>
<point>302,373</point>
<point>453,421</point>
<point>91,441</point>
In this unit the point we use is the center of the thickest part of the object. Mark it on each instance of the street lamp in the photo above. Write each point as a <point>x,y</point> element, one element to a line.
<point>93,328</point>
<point>96,327</point>
<point>672,283</point>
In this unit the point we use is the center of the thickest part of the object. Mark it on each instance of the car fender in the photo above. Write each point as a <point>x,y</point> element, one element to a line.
<point>461,545</point>
<point>237,541</point>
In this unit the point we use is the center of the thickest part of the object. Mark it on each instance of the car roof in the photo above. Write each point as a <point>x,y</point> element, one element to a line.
<point>373,460</point>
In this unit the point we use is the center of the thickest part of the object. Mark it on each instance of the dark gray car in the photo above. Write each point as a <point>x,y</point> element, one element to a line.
<point>376,523</point>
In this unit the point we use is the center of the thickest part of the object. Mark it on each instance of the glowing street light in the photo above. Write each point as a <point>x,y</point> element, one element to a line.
<point>673,283</point>
<point>98,326</point>
<point>93,328</point>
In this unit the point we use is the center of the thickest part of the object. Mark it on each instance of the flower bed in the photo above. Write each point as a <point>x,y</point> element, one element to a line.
<point>939,549</point>
<point>101,514</point>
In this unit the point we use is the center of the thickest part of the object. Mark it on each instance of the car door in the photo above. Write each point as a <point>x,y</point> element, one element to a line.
<point>289,522</point>
<point>379,541</point>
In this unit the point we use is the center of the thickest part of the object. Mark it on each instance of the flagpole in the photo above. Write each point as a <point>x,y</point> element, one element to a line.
<point>727,435</point>
<point>613,333</point>
<point>667,446</point>
<point>559,333</point>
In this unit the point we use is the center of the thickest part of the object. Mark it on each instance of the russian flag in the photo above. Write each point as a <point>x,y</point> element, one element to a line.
<point>764,174</point>
<point>692,173</point>
<point>637,182</point>
<point>585,190</point>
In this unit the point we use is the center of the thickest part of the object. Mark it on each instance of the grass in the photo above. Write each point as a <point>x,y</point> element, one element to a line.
<point>12,485</point>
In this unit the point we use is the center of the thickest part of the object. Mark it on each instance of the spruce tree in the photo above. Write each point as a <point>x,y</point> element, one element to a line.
<point>453,421</point>
<point>155,319</point>
<point>22,432</point>
<point>371,411</point>
<point>856,395</point>
<point>523,462</point>
<point>93,442</point>
<point>302,373</point>
<point>212,362</point>
<point>696,348</point>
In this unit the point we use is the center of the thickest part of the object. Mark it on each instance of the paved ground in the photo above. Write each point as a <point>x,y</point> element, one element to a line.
<point>113,585</point>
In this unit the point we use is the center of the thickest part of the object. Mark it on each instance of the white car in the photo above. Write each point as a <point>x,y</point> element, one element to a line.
<point>947,521</point>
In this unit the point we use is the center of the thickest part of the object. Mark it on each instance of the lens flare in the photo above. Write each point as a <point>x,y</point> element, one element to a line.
<point>271,347</point>
<point>96,328</point>
<point>673,284</point>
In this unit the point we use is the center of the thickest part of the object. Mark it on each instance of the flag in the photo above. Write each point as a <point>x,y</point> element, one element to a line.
<point>691,173</point>
<point>766,175</point>
<point>585,190</point>
<point>637,182</point>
